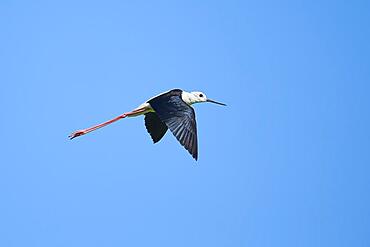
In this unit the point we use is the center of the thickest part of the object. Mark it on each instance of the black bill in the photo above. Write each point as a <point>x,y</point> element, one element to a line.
<point>218,103</point>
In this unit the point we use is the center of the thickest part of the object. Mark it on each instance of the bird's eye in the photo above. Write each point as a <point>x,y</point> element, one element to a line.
<point>201,95</point>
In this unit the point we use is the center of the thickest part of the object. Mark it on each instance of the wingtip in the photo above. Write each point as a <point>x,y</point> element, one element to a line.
<point>194,155</point>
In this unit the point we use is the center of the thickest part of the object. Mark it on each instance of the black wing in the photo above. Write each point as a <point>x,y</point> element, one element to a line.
<point>179,118</point>
<point>156,128</point>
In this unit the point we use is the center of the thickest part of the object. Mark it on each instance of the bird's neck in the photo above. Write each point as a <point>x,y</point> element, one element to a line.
<point>188,98</point>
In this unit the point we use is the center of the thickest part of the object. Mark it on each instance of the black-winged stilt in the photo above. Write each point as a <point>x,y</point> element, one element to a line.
<point>170,110</point>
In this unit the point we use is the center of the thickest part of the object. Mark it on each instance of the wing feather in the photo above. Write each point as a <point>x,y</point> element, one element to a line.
<point>179,117</point>
<point>155,127</point>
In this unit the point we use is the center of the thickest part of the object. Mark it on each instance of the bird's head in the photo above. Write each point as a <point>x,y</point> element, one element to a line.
<point>199,97</point>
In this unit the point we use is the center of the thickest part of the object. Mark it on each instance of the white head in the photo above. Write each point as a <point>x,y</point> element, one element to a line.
<point>197,97</point>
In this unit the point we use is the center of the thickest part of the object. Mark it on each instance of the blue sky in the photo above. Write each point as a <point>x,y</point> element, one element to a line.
<point>286,163</point>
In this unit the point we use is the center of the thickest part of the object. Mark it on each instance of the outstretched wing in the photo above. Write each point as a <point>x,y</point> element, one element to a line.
<point>179,118</point>
<point>155,127</point>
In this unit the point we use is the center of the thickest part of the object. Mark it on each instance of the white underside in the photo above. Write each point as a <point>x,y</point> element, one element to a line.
<point>144,106</point>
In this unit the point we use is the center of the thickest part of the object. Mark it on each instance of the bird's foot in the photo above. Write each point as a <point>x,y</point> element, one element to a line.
<point>76,134</point>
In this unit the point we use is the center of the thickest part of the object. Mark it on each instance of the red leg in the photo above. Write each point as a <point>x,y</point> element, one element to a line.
<point>98,126</point>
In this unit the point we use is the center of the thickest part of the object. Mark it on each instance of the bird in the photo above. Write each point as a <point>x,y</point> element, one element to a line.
<point>169,110</point>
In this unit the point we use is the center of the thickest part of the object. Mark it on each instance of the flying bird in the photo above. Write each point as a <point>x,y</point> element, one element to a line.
<point>170,110</point>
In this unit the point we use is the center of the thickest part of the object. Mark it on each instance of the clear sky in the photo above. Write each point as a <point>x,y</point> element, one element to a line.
<point>286,163</point>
